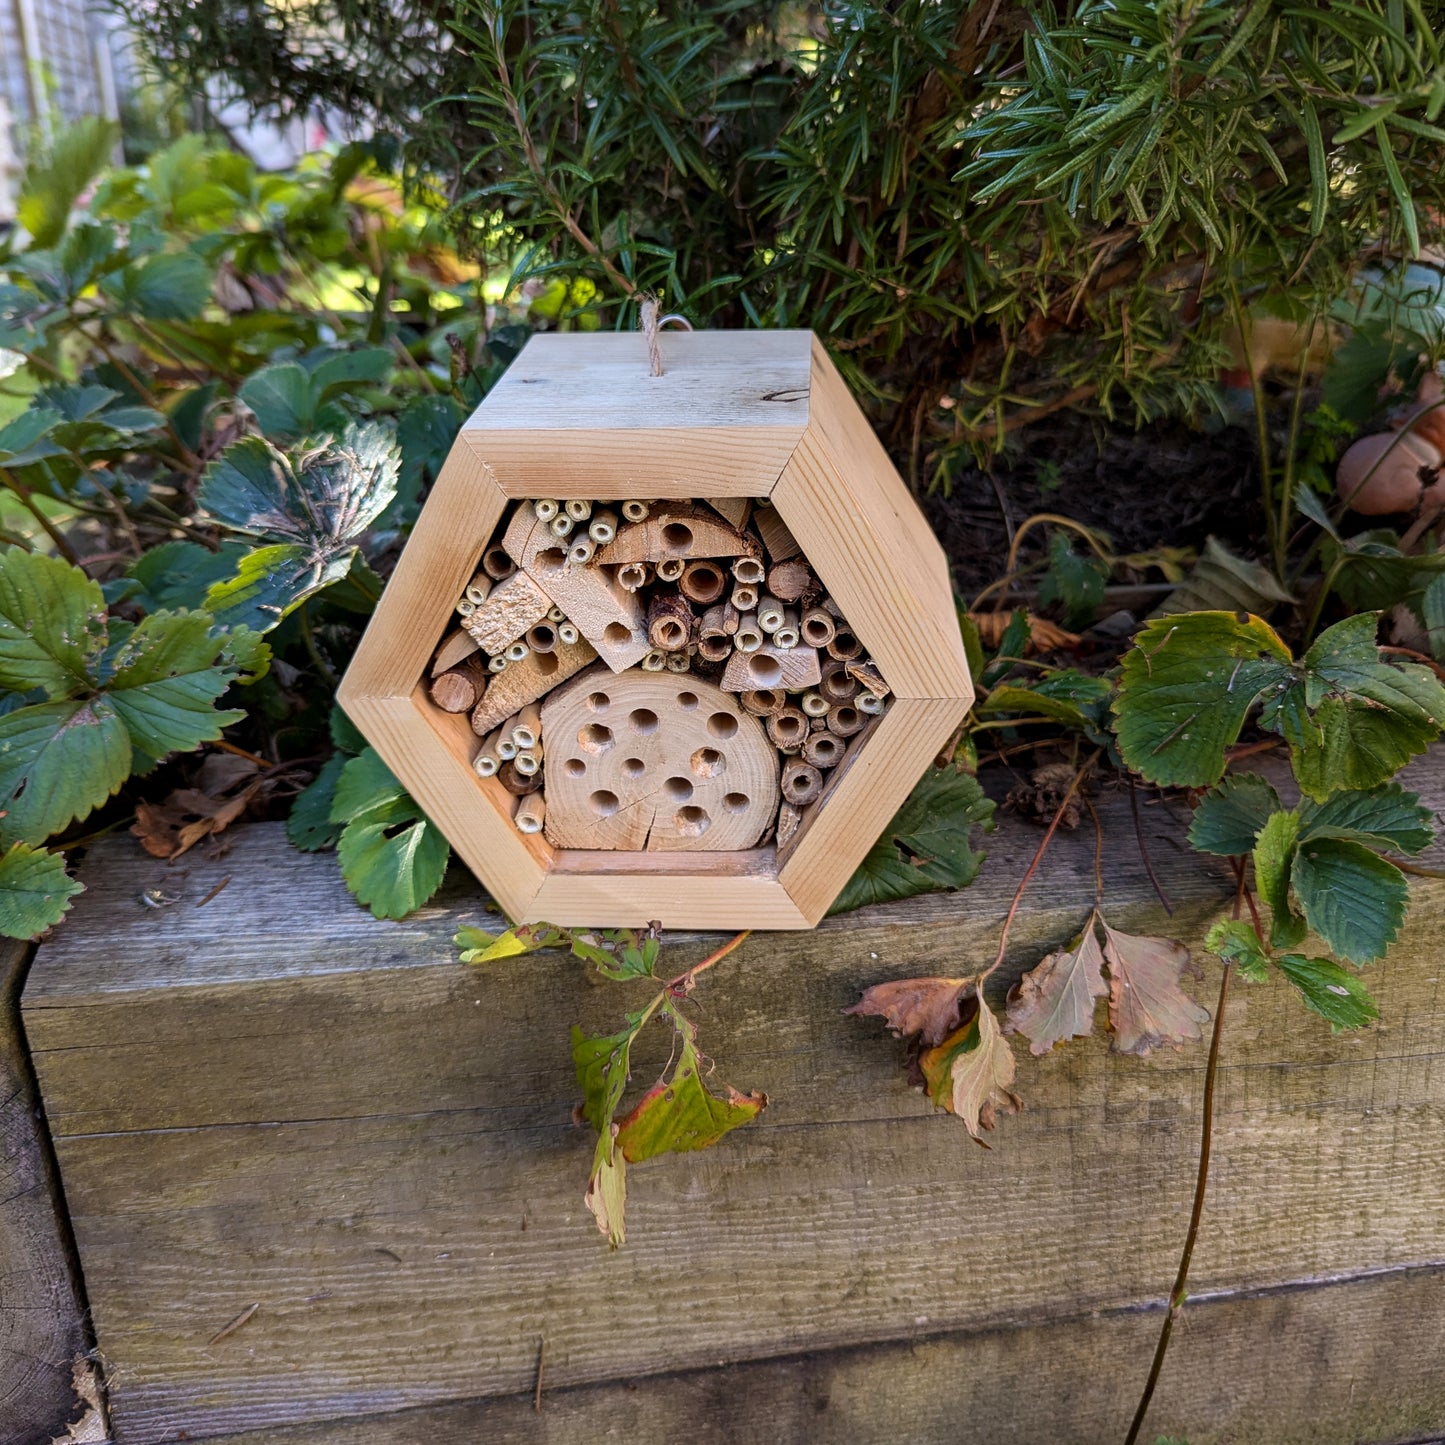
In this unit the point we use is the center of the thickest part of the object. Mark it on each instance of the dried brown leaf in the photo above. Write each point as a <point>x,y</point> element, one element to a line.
<point>1054,1001</point>
<point>929,1007</point>
<point>1147,1008</point>
<point>1044,636</point>
<point>970,1072</point>
<point>166,830</point>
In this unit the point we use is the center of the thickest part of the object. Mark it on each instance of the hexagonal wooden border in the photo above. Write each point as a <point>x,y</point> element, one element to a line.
<point>749,413</point>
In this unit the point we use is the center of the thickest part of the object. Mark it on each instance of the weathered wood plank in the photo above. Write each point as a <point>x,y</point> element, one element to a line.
<point>284,1102</point>
<point>1338,1369</point>
<point>41,1327</point>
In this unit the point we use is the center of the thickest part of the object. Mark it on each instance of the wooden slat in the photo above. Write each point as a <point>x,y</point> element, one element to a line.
<point>1325,1364</point>
<point>338,1122</point>
<point>580,415</point>
<point>41,1326</point>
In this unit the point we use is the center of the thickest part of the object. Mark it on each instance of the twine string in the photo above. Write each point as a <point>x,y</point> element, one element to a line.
<point>652,325</point>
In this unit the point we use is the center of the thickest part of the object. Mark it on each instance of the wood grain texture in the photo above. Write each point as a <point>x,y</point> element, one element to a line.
<point>341,1123</point>
<point>1337,1369</point>
<point>721,420</point>
<point>41,1325</point>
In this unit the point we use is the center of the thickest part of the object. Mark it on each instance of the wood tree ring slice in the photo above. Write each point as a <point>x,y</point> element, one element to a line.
<point>655,760</point>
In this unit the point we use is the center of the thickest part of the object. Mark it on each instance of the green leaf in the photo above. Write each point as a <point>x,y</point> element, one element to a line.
<point>1331,991</point>
<point>1351,897</point>
<point>55,179</point>
<point>58,762</point>
<point>35,891</point>
<point>479,946</point>
<point>271,582</point>
<point>1228,818</point>
<point>392,856</point>
<point>284,399</point>
<point>1432,613</point>
<point>1383,817</point>
<point>52,624</point>
<point>1220,581</point>
<point>342,371</point>
<point>1236,942</point>
<point>1186,686</point>
<point>1075,580</point>
<point>679,1113</point>
<point>179,574</point>
<point>1274,856</point>
<point>309,826</point>
<point>603,1064</point>
<point>926,846</point>
<point>166,286</point>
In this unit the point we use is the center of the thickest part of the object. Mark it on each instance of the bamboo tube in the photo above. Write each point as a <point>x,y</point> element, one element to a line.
<point>634,575</point>
<point>566,634</point>
<point>527,726</point>
<point>485,764</point>
<point>703,582</point>
<point>731,618</point>
<point>814,704</point>
<point>578,508</point>
<point>749,636</point>
<point>764,701</point>
<point>670,622</point>
<point>635,511</point>
<point>507,748</point>
<point>555,614</point>
<point>844,646</point>
<point>838,684</point>
<point>801,782</point>
<point>713,642</point>
<point>561,525</point>
<point>670,569</point>
<point>787,727</point>
<point>516,651</point>
<point>528,764</point>
<point>542,637</point>
<point>789,579</point>
<point>497,664</point>
<point>844,720</point>
<point>497,564</point>
<point>770,614</point>
<point>477,590</point>
<point>603,527</point>
<point>817,627</point>
<point>582,551</point>
<point>545,508</point>
<point>869,703</point>
<point>465,607</point>
<point>654,661</point>
<point>787,634</point>
<point>515,782</point>
<point>531,813</point>
<point>678,662</point>
<point>749,570</point>
<point>824,750</point>
<point>745,597</point>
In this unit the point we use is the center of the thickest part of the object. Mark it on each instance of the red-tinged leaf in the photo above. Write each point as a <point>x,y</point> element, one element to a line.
<point>679,1112</point>
<point>606,1195</point>
<point>1147,1008</point>
<point>1055,1001</point>
<point>932,1008</point>
<point>969,1073</point>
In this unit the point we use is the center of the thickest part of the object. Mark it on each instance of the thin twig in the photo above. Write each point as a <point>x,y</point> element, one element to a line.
<point>541,1365</point>
<point>232,1326</point>
<point>1144,852</point>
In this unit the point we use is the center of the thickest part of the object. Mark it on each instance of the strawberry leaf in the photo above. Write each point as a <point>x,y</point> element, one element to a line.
<point>1331,991</point>
<point>1228,819</point>
<point>1351,897</point>
<point>1274,856</point>
<point>1147,1008</point>
<point>969,1073</point>
<point>929,1007</point>
<point>1383,817</point>
<point>35,891</point>
<point>1054,1001</point>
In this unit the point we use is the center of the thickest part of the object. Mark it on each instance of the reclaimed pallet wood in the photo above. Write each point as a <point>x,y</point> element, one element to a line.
<point>276,1100</point>
<point>42,1329</point>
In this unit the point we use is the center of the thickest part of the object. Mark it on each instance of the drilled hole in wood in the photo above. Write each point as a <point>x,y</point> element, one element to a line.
<point>642,720</point>
<point>633,767</point>
<point>574,767</point>
<point>692,821</point>
<point>598,702</point>
<point>678,789</point>
<point>764,671</point>
<point>722,725</point>
<point>603,803</point>
<point>676,537</point>
<point>735,802</point>
<point>687,701</point>
<point>708,763</point>
<point>595,739</point>
<point>551,560</point>
<point>546,663</point>
<point>616,635</point>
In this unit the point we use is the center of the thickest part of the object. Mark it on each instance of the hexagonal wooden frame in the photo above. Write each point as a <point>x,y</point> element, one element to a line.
<point>746,413</point>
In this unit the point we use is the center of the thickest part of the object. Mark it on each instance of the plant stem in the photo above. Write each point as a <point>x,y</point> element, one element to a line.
<point>28,501</point>
<point>683,983</point>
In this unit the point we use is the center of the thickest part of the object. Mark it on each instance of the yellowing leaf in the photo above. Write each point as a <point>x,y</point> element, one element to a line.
<point>928,1007</point>
<point>1147,1008</point>
<point>606,1195</point>
<point>1054,1002</point>
<point>970,1072</point>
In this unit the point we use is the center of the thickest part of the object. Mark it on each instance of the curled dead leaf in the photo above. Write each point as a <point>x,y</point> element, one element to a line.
<point>1054,1001</point>
<point>969,1073</point>
<point>1147,1008</point>
<point>1044,636</point>
<point>929,1007</point>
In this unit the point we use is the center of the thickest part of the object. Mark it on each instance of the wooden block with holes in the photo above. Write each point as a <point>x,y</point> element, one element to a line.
<point>747,458</point>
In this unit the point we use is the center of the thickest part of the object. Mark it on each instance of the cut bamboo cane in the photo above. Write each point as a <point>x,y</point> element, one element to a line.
<point>654,661</point>
<point>603,527</point>
<point>477,589</point>
<point>561,525</point>
<point>789,579</point>
<point>869,703</point>
<point>581,551</point>
<point>527,763</point>
<point>787,728</point>
<point>567,634</point>
<point>578,508</point>
<point>787,635</point>
<point>526,681</point>
<point>465,607</point>
<point>545,508</point>
<point>792,668</point>
<point>526,727</point>
<point>678,662</point>
<point>670,622</point>
<point>506,746</point>
<point>817,627</point>
<point>824,750</point>
<point>713,642</point>
<point>764,701</point>
<point>555,614</point>
<point>749,636</point>
<point>497,564</point>
<point>531,813</point>
<point>703,582</point>
<point>838,684</point>
<point>844,720</point>
<point>670,569</point>
<point>542,637</point>
<point>801,782</point>
<point>770,614</point>
<point>459,645</point>
<point>814,704</point>
<point>516,651</point>
<point>634,575</point>
<point>844,646</point>
<point>635,511</point>
<point>750,570</point>
<point>497,664</point>
<point>745,597</point>
<point>514,606</point>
